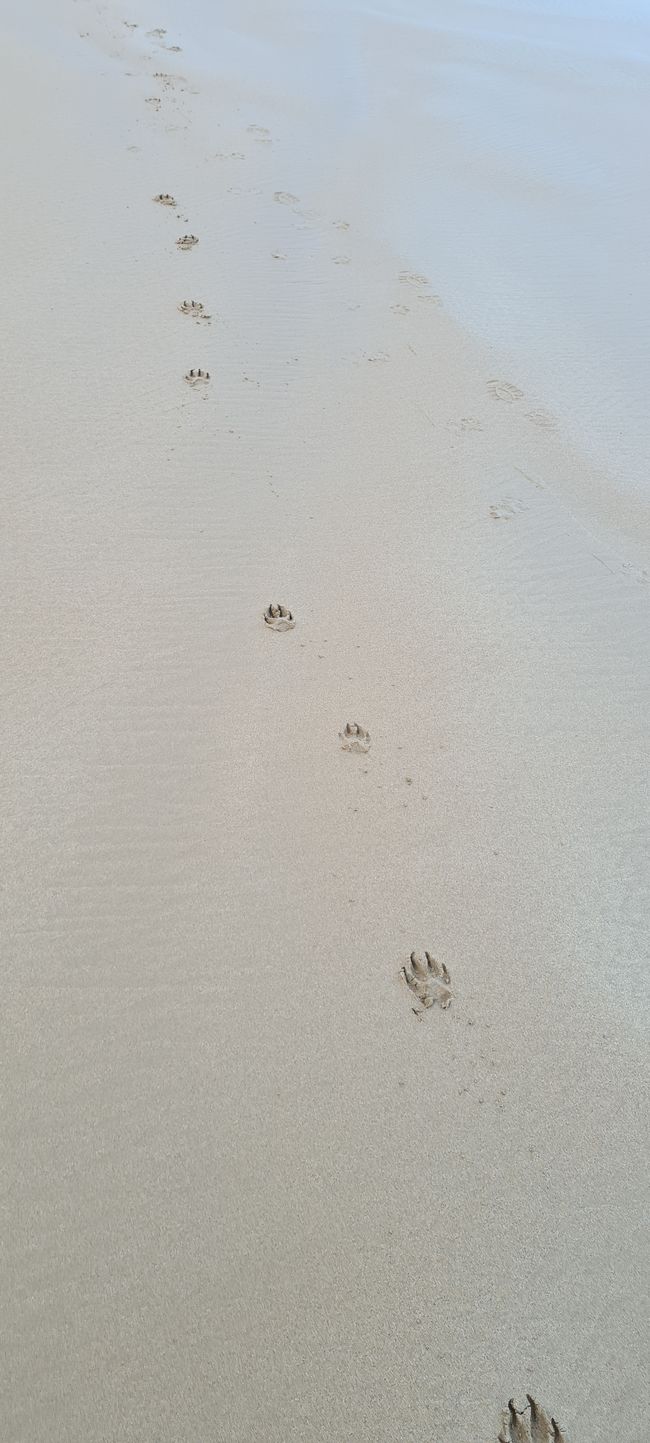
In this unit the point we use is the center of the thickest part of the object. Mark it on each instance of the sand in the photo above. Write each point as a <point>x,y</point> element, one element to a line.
<point>254,1197</point>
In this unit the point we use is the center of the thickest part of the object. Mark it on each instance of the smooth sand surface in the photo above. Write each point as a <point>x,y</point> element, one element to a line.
<point>252,1197</point>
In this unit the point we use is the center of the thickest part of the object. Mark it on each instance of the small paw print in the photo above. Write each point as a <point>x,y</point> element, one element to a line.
<point>197,378</point>
<point>186,242</point>
<point>164,199</point>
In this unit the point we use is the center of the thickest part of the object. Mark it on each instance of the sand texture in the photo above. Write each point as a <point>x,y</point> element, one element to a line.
<point>262,1187</point>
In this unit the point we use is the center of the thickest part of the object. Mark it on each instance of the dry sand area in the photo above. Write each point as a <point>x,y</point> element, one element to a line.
<point>258,1190</point>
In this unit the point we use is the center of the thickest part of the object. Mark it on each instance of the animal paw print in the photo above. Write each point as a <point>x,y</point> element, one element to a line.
<point>278,617</point>
<point>505,509</point>
<point>529,1425</point>
<point>400,310</point>
<point>505,391</point>
<point>262,135</point>
<point>429,980</point>
<point>411,278</point>
<point>544,419</point>
<point>194,308</point>
<point>186,242</point>
<point>284,197</point>
<point>164,199</point>
<point>197,378</point>
<point>354,738</point>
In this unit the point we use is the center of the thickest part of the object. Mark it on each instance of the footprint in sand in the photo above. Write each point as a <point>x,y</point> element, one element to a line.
<point>400,310</point>
<point>164,199</point>
<point>470,423</point>
<point>354,738</point>
<point>505,509</point>
<point>195,309</point>
<point>156,34</point>
<point>428,980</point>
<point>284,197</point>
<point>529,1425</point>
<point>278,617</point>
<point>341,224</point>
<point>261,134</point>
<point>505,391</point>
<point>153,100</point>
<point>197,378</point>
<point>411,278</point>
<point>185,242</point>
<point>341,260</point>
<point>544,419</point>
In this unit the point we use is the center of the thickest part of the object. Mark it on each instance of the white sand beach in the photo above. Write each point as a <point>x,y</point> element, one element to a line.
<point>255,1194</point>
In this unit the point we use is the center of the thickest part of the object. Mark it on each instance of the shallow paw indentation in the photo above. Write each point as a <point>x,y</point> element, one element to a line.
<point>197,378</point>
<point>355,738</point>
<point>278,617</point>
<point>412,278</point>
<point>428,980</point>
<point>284,197</point>
<point>186,242</point>
<point>506,508</point>
<point>544,419</point>
<point>164,199</point>
<point>505,390</point>
<point>529,1425</point>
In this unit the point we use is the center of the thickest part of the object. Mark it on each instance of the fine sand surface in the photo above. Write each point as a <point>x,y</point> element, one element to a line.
<point>253,1197</point>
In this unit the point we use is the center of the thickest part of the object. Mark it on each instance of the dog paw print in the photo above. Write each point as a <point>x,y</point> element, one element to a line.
<point>194,308</point>
<point>186,242</point>
<point>413,278</point>
<point>197,378</point>
<point>428,980</point>
<point>278,617</point>
<point>529,1425</point>
<point>506,508</point>
<point>505,391</point>
<point>164,199</point>
<point>355,738</point>
<point>284,197</point>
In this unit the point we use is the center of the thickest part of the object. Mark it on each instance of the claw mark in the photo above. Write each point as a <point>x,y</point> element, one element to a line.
<point>429,980</point>
<point>537,1428</point>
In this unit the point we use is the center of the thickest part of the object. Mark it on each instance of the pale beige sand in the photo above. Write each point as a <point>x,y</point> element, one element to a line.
<point>252,1198</point>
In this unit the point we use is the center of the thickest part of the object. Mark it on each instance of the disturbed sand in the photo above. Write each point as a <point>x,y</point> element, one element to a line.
<point>256,1195</point>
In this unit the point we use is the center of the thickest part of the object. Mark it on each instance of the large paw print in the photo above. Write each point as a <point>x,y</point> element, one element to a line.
<point>355,738</point>
<point>278,617</point>
<point>429,980</point>
<point>529,1425</point>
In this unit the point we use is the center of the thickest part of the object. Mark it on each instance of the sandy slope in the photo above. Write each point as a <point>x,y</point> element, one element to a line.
<point>254,1199</point>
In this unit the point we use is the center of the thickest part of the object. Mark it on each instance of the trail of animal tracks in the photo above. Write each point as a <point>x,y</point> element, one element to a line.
<point>324,735</point>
